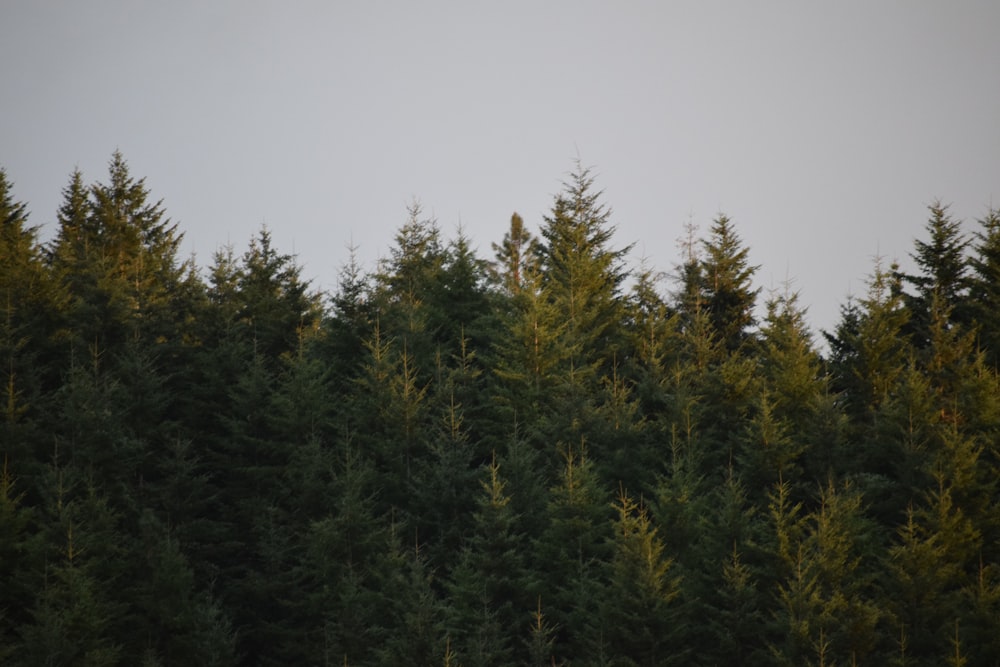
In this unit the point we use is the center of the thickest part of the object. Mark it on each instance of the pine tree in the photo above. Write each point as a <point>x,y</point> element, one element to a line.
<point>415,627</point>
<point>15,588</point>
<point>582,277</point>
<point>488,599</point>
<point>444,482</point>
<point>79,610</point>
<point>117,255</point>
<point>942,278</point>
<point>460,306</point>
<point>275,307</point>
<point>530,351</point>
<point>570,551</point>
<point>29,320</point>
<point>516,257</point>
<point>405,283</point>
<point>638,619</point>
<point>348,324</point>
<point>725,290</point>
<point>984,288</point>
<point>869,349</point>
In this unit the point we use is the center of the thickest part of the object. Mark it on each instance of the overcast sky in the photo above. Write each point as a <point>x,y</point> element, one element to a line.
<point>822,129</point>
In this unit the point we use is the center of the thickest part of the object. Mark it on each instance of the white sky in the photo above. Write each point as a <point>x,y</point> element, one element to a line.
<point>822,129</point>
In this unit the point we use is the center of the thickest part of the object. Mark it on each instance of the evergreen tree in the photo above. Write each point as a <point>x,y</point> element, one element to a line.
<point>725,290</point>
<point>460,306</point>
<point>638,619</point>
<point>276,308</point>
<point>488,598</point>
<point>984,289</point>
<point>531,349</point>
<point>943,267</point>
<point>29,320</point>
<point>15,582</point>
<point>78,613</point>
<point>443,483</point>
<point>348,324</point>
<point>116,253</point>
<point>404,287</point>
<point>516,257</point>
<point>583,277</point>
<point>569,554</point>
<point>869,349</point>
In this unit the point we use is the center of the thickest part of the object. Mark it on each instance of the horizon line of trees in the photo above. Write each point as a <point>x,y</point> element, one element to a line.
<point>547,457</point>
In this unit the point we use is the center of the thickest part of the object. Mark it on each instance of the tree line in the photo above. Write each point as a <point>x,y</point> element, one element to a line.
<point>545,457</point>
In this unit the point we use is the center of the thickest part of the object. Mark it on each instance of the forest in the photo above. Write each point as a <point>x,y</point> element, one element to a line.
<point>543,457</point>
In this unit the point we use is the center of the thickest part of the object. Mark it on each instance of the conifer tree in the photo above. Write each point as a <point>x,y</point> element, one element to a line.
<point>15,583</point>
<point>348,323</point>
<point>530,352</point>
<point>638,619</point>
<point>942,279</point>
<point>984,288</point>
<point>570,551</point>
<point>869,348</point>
<point>516,257</point>
<point>582,276</point>
<point>117,255</point>
<point>415,624</point>
<point>719,569</point>
<point>445,481</point>
<point>460,306</point>
<point>29,321</point>
<point>487,594</point>
<point>405,283</point>
<point>726,284</point>
<point>275,306</point>
<point>78,613</point>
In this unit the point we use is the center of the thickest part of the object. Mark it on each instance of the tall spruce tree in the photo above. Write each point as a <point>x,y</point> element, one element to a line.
<point>726,291</point>
<point>516,257</point>
<point>488,599</point>
<point>116,252</point>
<point>942,278</point>
<point>582,276</point>
<point>30,305</point>
<point>984,289</point>
<point>639,621</point>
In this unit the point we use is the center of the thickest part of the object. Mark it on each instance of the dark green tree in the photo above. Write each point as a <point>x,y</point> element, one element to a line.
<point>30,307</point>
<point>869,349</point>
<point>570,552</point>
<point>405,284</point>
<point>516,257</point>
<point>116,254</point>
<point>984,288</point>
<point>638,621</point>
<point>488,599</point>
<point>15,582</point>
<point>582,276</point>
<point>942,278</point>
<point>726,291</point>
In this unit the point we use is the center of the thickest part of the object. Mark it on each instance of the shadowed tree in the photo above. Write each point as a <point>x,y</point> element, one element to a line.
<point>942,278</point>
<point>726,277</point>
<point>516,257</point>
<point>116,254</point>
<point>582,277</point>
<point>984,289</point>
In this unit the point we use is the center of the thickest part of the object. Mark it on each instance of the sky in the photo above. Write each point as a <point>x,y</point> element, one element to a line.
<point>822,129</point>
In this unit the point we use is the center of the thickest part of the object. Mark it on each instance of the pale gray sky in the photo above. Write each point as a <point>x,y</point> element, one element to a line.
<point>822,129</point>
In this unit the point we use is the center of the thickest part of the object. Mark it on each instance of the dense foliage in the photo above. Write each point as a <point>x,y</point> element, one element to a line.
<point>543,458</point>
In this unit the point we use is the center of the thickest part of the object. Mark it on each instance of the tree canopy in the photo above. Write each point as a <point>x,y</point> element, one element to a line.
<point>545,457</point>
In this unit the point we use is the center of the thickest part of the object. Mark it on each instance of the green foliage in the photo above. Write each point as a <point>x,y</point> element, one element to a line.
<point>223,469</point>
<point>638,618</point>
<point>724,286</point>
